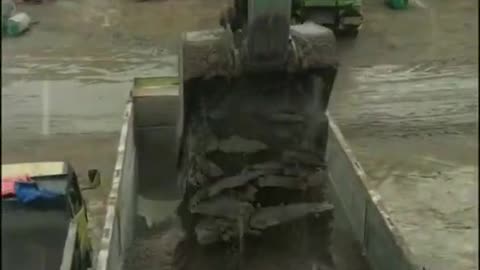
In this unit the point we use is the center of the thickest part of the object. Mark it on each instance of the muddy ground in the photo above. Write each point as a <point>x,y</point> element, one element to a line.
<point>65,83</point>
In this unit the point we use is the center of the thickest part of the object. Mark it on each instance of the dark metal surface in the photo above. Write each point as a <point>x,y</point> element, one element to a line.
<point>34,236</point>
<point>33,239</point>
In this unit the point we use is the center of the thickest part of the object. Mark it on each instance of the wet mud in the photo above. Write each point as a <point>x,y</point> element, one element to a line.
<point>163,246</point>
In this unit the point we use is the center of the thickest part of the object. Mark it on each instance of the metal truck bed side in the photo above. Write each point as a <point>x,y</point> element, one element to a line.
<point>381,242</point>
<point>121,203</point>
<point>148,119</point>
<point>371,225</point>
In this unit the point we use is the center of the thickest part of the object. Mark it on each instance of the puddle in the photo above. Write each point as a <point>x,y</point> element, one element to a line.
<point>58,107</point>
<point>44,95</point>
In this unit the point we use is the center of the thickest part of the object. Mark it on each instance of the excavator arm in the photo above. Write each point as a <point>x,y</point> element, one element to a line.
<point>265,31</point>
<point>252,130</point>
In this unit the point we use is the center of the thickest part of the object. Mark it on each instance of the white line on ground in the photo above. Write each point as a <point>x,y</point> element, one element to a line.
<point>46,108</point>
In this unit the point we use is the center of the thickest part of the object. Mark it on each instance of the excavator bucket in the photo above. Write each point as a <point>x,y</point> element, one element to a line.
<point>252,144</point>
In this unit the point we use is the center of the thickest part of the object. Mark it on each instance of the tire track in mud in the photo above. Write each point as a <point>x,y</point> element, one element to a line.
<point>403,101</point>
<point>89,69</point>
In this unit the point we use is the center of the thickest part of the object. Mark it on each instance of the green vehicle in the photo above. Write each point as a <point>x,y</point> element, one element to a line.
<point>342,16</point>
<point>397,4</point>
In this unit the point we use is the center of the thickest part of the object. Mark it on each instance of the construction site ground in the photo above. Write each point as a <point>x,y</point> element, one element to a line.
<point>406,99</point>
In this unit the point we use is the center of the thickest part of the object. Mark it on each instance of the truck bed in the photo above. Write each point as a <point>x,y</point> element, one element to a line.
<point>401,156</point>
<point>33,239</point>
<point>138,230</point>
<point>414,132</point>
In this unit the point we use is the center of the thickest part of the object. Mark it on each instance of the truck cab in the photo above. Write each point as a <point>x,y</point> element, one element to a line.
<point>44,219</point>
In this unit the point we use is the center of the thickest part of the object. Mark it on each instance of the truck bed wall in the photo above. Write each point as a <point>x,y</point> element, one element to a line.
<point>155,113</point>
<point>141,168</point>
<point>370,223</point>
<point>121,204</point>
<point>362,206</point>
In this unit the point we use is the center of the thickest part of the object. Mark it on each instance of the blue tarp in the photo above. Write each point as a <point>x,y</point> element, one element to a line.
<point>30,193</point>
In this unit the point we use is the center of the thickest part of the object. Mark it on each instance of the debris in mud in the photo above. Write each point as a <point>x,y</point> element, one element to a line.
<point>30,1</point>
<point>212,230</point>
<point>18,24</point>
<point>236,144</point>
<point>232,182</point>
<point>287,118</point>
<point>14,24</point>
<point>202,171</point>
<point>271,216</point>
<point>158,252</point>
<point>197,178</point>
<point>223,184</point>
<point>302,157</point>
<point>209,168</point>
<point>209,231</point>
<point>268,167</point>
<point>223,206</point>
<point>280,181</point>
<point>247,193</point>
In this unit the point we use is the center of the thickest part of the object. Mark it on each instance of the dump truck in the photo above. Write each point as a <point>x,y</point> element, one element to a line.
<point>242,146</point>
<point>247,148</point>
<point>44,217</point>
<point>145,167</point>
